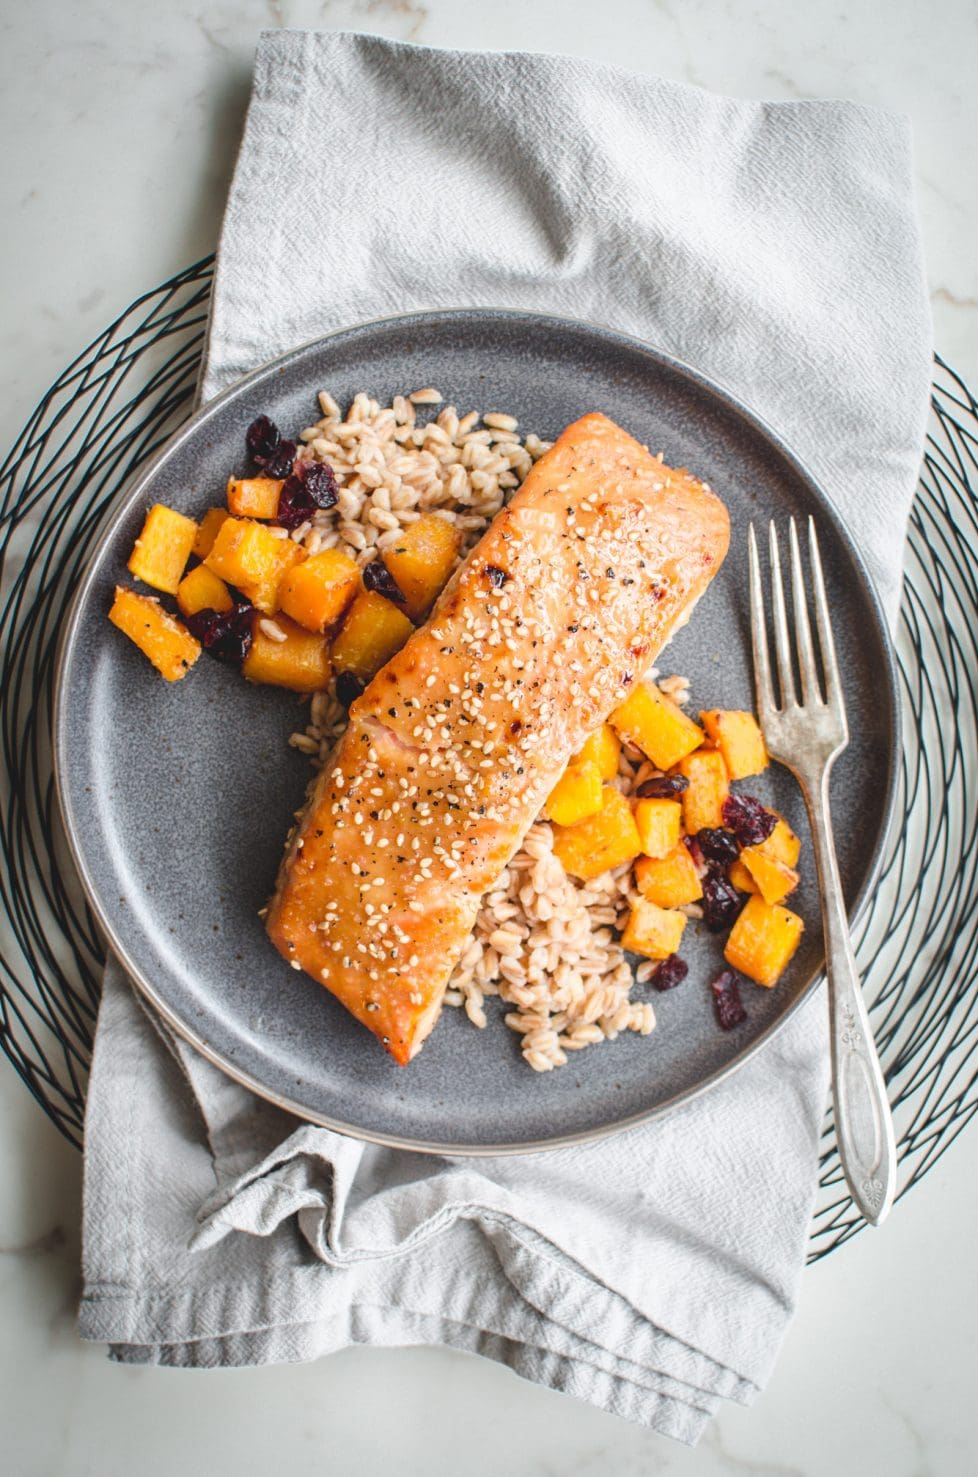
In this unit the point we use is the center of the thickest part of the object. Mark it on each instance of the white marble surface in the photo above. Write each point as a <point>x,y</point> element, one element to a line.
<point>120,119</point>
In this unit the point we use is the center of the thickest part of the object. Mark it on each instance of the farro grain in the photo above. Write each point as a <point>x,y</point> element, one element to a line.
<point>271,629</point>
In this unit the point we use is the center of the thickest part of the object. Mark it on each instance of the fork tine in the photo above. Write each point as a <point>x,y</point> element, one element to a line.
<point>830,666</point>
<point>782,644</point>
<point>758,632</point>
<point>811,692</point>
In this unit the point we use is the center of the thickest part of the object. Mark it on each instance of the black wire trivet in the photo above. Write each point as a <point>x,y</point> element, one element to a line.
<point>124,396</point>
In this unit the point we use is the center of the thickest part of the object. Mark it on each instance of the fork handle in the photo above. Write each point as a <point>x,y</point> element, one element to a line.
<point>864,1125</point>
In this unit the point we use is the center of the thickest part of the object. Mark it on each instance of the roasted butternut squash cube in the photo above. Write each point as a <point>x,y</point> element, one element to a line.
<point>658,824</point>
<point>740,877</point>
<point>763,940</point>
<point>300,661</point>
<point>782,844</point>
<point>668,881</point>
<point>318,592</point>
<point>250,556</point>
<point>422,560</point>
<point>202,590</point>
<point>774,880</point>
<point>161,551</point>
<point>708,788</point>
<point>373,630</point>
<point>739,739</point>
<point>653,931</point>
<point>602,748</point>
<point>601,842</point>
<point>657,726</point>
<point>207,531</point>
<point>159,635</point>
<point>576,794</point>
<point>254,497</point>
<point>781,847</point>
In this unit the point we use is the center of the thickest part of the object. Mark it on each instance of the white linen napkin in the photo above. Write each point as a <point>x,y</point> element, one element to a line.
<point>772,246</point>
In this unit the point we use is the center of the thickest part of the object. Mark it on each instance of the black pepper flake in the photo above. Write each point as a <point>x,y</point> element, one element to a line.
<point>609,573</point>
<point>574,628</point>
<point>497,577</point>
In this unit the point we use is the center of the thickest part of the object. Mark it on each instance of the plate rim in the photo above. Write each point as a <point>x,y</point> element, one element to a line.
<point>69,634</point>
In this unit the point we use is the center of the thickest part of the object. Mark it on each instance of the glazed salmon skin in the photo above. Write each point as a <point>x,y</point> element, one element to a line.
<point>455,745</point>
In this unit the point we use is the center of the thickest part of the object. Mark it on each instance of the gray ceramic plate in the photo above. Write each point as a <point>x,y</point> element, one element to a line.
<point>177,799</point>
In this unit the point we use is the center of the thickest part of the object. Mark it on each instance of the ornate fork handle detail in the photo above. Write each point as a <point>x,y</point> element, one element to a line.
<point>864,1126</point>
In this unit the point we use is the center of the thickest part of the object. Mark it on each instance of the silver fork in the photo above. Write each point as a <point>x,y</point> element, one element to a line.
<point>807,735</point>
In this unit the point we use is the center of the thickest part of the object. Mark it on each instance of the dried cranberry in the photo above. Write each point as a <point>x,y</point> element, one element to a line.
<point>319,482</point>
<point>279,463</point>
<point>348,688</point>
<point>224,634</point>
<point>750,822</point>
<point>267,449</point>
<point>497,577</point>
<point>377,577</point>
<point>662,787</point>
<point>727,1002</point>
<point>261,439</point>
<point>310,489</point>
<point>693,847</point>
<point>293,506</point>
<point>721,901</point>
<point>717,845</point>
<point>670,973</point>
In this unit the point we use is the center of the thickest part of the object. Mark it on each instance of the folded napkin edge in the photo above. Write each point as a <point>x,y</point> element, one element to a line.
<point>271,35</point>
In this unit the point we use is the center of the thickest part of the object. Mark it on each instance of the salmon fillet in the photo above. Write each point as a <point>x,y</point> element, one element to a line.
<point>454,747</point>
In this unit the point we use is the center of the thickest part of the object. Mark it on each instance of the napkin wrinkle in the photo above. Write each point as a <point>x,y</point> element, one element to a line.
<point>312,1175</point>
